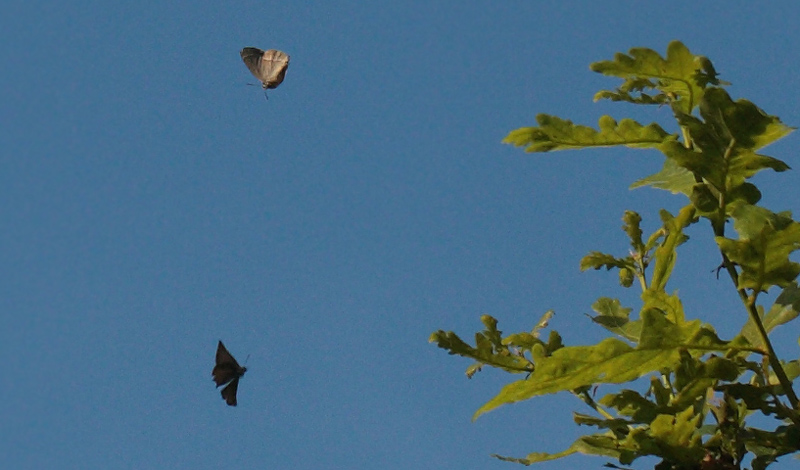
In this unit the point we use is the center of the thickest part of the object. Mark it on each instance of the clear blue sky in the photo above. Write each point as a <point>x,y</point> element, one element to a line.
<point>152,204</point>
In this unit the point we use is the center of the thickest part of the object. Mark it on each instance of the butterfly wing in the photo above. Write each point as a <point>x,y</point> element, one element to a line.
<point>229,392</point>
<point>252,59</point>
<point>226,368</point>
<point>272,68</point>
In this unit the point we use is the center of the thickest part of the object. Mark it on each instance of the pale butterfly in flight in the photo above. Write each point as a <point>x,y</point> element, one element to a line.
<point>269,67</point>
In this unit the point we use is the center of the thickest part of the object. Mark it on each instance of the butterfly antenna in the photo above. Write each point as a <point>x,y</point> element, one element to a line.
<point>265,95</point>
<point>245,359</point>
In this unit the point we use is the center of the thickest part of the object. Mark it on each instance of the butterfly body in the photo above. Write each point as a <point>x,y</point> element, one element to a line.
<point>227,371</point>
<point>269,67</point>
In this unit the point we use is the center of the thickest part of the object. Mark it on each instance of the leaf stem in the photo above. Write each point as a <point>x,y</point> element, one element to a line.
<point>750,300</point>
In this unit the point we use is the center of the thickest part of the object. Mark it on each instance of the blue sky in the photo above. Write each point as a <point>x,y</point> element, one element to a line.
<point>153,204</point>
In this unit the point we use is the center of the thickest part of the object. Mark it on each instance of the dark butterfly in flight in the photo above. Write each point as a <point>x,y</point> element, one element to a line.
<point>269,67</point>
<point>227,370</point>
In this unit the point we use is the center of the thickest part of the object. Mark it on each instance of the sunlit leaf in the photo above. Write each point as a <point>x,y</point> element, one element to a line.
<point>785,309</point>
<point>672,177</point>
<point>605,445</point>
<point>555,133</point>
<point>763,251</point>
<point>665,255</point>
<point>680,76</point>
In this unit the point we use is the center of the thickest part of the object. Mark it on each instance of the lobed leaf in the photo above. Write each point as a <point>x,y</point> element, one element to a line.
<point>615,318</point>
<point>599,260</point>
<point>554,133</point>
<point>680,77</point>
<point>610,361</point>
<point>632,227</point>
<point>672,177</point>
<point>785,309</point>
<point>599,444</point>
<point>665,255</point>
<point>483,352</point>
<point>763,251</point>
<point>742,121</point>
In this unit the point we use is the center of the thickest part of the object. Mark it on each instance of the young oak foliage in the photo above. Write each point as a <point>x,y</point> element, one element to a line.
<point>701,388</point>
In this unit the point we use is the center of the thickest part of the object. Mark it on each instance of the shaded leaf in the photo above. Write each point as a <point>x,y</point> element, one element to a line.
<point>631,403</point>
<point>599,260</point>
<point>618,425</point>
<point>769,445</point>
<point>632,227</point>
<point>615,318</point>
<point>747,124</point>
